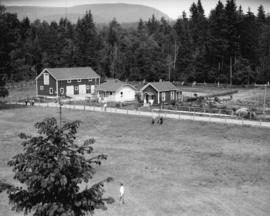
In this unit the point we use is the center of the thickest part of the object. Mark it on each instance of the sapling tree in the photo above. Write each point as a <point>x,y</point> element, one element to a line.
<point>51,169</point>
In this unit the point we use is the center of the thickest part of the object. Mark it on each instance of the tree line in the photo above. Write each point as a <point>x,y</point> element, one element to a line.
<point>229,45</point>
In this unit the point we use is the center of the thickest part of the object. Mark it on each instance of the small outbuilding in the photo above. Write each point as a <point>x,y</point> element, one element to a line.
<point>160,92</point>
<point>53,82</point>
<point>116,91</point>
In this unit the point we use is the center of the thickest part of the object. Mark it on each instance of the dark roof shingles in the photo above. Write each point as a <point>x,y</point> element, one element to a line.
<point>164,86</point>
<point>73,73</point>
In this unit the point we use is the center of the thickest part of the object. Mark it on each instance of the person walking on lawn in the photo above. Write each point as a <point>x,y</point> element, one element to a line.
<point>122,192</point>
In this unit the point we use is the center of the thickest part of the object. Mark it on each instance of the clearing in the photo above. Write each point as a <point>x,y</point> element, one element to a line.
<point>179,168</point>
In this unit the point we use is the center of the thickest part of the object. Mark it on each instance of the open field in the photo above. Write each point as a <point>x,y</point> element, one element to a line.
<point>179,168</point>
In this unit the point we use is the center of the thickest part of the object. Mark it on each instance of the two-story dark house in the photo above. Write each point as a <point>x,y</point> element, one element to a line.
<point>53,82</point>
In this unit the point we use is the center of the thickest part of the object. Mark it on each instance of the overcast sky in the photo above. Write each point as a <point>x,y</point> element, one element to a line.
<point>173,8</point>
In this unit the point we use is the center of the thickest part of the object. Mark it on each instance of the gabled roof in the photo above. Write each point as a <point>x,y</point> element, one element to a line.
<point>112,86</point>
<point>162,86</point>
<point>71,73</point>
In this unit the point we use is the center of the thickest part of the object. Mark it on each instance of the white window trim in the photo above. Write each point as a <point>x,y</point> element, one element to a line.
<point>41,88</point>
<point>179,95</point>
<point>62,91</point>
<point>68,81</point>
<point>46,79</point>
<point>79,80</point>
<point>51,90</point>
<point>163,96</point>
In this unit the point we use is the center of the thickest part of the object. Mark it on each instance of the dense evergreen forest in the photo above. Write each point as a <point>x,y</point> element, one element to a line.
<point>228,45</point>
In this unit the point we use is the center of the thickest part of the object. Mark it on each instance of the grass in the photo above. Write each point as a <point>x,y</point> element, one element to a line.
<point>179,168</point>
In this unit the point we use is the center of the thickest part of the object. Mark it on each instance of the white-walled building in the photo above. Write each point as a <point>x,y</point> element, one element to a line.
<point>116,91</point>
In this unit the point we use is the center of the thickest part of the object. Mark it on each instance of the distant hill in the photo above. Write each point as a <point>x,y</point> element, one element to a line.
<point>102,13</point>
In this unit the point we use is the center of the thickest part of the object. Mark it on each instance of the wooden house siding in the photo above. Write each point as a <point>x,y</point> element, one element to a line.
<point>66,81</point>
<point>168,97</point>
<point>158,95</point>
<point>46,88</point>
<point>88,82</point>
<point>152,90</point>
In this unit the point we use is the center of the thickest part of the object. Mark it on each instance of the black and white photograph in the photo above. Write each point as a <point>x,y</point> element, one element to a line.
<point>134,108</point>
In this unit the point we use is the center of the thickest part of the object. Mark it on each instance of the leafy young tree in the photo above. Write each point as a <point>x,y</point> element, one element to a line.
<point>52,166</point>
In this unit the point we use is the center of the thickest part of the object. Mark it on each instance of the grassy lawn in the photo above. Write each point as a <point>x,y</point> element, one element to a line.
<point>179,168</point>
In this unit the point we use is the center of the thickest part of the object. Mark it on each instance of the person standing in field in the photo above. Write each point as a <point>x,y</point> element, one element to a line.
<point>161,120</point>
<point>153,120</point>
<point>122,192</point>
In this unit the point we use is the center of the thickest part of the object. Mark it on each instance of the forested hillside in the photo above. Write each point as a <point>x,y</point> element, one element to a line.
<point>228,44</point>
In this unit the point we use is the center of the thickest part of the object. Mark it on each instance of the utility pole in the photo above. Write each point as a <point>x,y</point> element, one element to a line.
<point>264,100</point>
<point>60,111</point>
<point>230,71</point>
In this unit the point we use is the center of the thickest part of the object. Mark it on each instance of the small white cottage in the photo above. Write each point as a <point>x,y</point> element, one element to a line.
<point>116,91</point>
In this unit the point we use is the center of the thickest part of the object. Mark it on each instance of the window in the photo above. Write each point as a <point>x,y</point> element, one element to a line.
<point>90,80</point>
<point>121,94</point>
<point>61,90</point>
<point>68,81</point>
<point>51,90</point>
<point>46,79</point>
<point>79,80</point>
<point>92,88</point>
<point>110,93</point>
<point>76,88</point>
<point>172,95</point>
<point>41,87</point>
<point>163,96</point>
<point>180,95</point>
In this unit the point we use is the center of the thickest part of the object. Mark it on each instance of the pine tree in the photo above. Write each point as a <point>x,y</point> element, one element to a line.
<point>261,14</point>
<point>218,44</point>
<point>86,42</point>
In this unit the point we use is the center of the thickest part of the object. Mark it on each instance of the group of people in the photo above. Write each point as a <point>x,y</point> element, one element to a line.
<point>31,102</point>
<point>159,120</point>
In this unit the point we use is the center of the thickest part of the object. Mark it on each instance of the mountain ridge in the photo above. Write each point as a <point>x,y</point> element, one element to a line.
<point>102,13</point>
